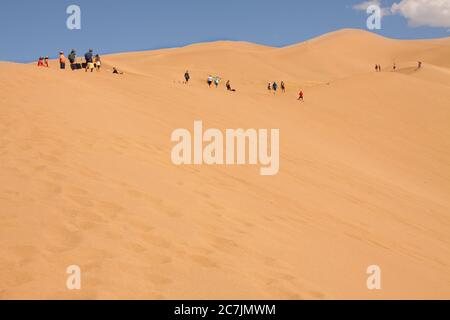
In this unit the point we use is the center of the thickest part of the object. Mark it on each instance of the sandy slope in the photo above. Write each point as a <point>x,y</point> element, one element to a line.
<point>365,174</point>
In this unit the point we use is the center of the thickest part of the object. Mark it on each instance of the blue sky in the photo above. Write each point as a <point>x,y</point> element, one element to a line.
<point>29,29</point>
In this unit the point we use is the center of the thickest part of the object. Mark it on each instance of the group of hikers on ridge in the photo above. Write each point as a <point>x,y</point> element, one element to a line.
<point>394,66</point>
<point>209,81</point>
<point>216,81</point>
<point>274,87</point>
<point>93,62</point>
<point>43,62</point>
<point>90,63</point>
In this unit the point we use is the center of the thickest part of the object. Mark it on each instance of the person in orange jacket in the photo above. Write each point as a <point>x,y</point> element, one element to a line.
<point>300,96</point>
<point>62,60</point>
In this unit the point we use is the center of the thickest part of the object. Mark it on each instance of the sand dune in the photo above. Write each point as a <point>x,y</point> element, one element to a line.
<point>365,174</point>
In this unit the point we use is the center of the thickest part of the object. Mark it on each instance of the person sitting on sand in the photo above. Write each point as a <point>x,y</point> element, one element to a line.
<point>40,62</point>
<point>300,96</point>
<point>115,71</point>
<point>394,67</point>
<point>62,60</point>
<point>228,85</point>
<point>419,65</point>
<point>187,77</point>
<point>210,81</point>
<point>98,62</point>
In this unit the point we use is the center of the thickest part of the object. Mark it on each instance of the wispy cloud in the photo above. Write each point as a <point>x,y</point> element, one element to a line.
<point>364,5</point>
<point>431,13</point>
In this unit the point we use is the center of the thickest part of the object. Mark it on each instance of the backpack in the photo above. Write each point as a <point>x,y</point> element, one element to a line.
<point>72,57</point>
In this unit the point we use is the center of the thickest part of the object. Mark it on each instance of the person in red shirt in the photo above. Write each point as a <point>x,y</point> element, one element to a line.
<point>300,96</point>
<point>40,62</point>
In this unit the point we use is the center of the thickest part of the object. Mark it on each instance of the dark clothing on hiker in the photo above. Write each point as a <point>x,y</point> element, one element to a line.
<point>72,57</point>
<point>88,56</point>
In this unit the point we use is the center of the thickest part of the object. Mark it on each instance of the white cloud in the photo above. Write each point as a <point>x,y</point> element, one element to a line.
<point>432,13</point>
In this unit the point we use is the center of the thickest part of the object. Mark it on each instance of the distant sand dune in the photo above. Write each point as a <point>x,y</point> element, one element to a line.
<point>364,179</point>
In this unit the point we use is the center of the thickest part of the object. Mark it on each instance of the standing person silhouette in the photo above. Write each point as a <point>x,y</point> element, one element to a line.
<point>89,57</point>
<point>72,58</point>
<point>62,60</point>
<point>98,62</point>
<point>210,81</point>
<point>275,87</point>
